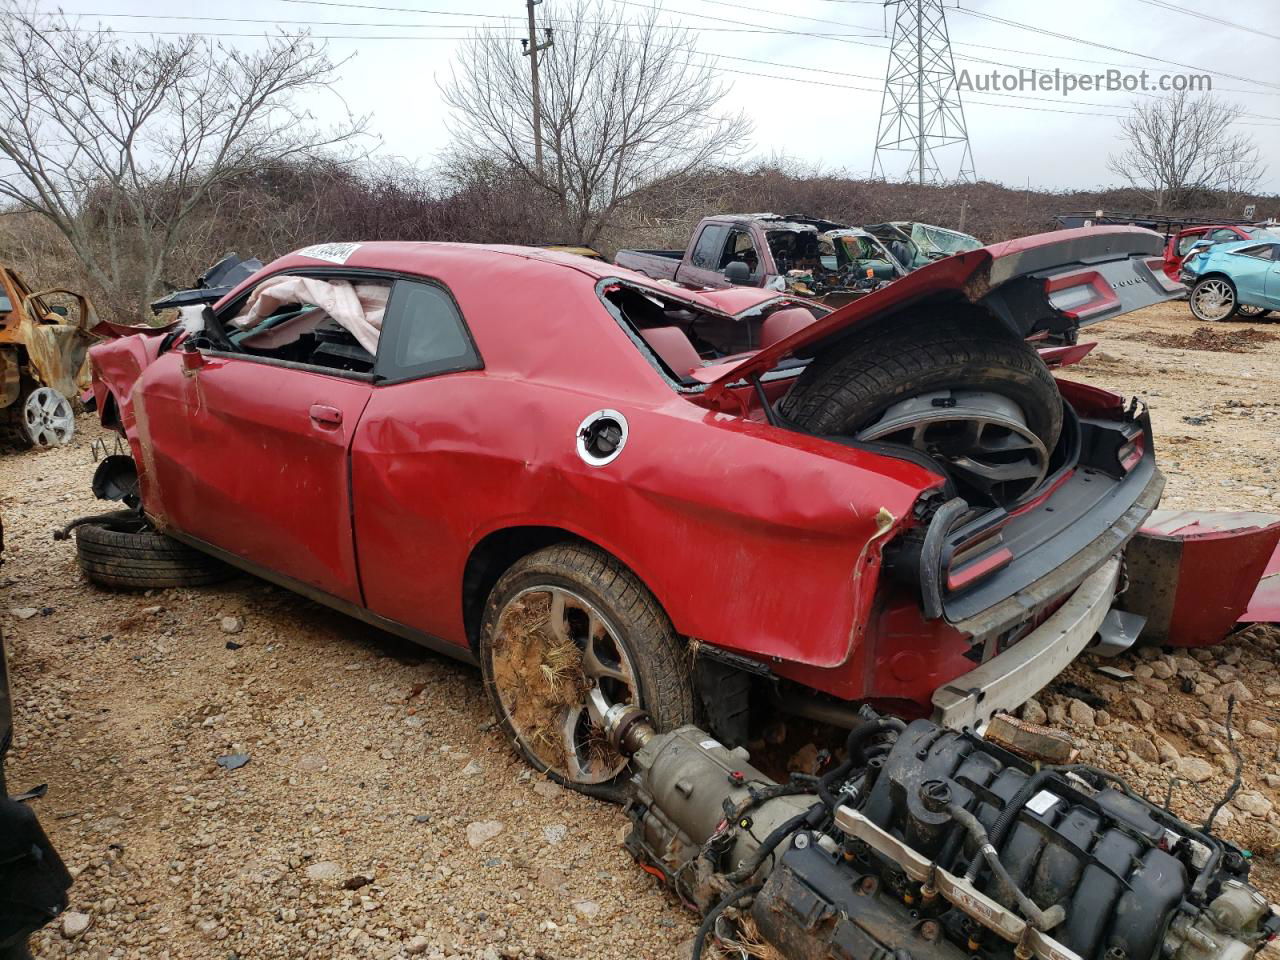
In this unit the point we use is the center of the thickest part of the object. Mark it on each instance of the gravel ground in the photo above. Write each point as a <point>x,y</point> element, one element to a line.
<point>381,815</point>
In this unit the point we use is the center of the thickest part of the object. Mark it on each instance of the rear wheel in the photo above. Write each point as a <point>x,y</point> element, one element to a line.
<point>1213,299</point>
<point>563,623</point>
<point>126,554</point>
<point>975,399</point>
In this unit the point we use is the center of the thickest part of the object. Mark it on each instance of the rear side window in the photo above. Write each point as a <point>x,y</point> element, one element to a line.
<point>423,334</point>
<point>1262,251</point>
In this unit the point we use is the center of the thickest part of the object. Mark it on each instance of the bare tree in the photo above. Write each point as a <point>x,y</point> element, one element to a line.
<point>628,103</point>
<point>1180,146</point>
<point>119,143</point>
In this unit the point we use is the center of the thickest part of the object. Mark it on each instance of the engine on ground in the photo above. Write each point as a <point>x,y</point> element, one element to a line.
<point>928,843</point>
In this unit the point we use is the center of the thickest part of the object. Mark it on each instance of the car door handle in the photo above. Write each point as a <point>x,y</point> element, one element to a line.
<point>324,414</point>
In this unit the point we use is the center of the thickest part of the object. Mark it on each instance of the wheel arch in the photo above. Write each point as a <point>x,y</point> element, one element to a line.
<point>495,553</point>
<point>1214,275</point>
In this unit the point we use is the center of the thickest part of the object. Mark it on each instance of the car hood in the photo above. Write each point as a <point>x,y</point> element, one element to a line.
<point>1048,283</point>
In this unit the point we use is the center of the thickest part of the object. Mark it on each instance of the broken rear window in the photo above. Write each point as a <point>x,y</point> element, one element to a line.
<point>680,336</point>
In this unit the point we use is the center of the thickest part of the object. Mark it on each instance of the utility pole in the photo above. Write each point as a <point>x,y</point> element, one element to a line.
<point>531,50</point>
<point>920,110</point>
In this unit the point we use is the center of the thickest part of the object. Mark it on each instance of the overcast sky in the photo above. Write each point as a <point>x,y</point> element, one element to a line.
<point>815,116</point>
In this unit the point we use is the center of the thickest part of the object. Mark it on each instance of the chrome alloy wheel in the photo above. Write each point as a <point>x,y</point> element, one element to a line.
<point>980,438</point>
<point>1213,300</point>
<point>556,658</point>
<point>47,418</point>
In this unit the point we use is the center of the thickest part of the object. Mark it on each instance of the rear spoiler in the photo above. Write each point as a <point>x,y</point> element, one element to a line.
<point>1050,283</point>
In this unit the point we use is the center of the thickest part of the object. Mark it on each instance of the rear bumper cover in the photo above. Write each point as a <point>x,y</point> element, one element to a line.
<point>1007,680</point>
<point>1119,522</point>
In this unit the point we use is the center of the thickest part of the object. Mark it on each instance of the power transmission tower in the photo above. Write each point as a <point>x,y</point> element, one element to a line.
<point>531,50</point>
<point>920,111</point>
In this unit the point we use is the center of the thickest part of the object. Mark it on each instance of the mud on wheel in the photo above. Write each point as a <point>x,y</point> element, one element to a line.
<point>560,624</point>
<point>123,552</point>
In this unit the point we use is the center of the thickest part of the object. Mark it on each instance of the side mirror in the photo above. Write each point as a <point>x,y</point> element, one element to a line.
<point>61,311</point>
<point>192,359</point>
<point>738,273</point>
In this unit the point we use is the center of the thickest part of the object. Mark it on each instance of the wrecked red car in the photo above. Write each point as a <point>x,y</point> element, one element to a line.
<point>604,490</point>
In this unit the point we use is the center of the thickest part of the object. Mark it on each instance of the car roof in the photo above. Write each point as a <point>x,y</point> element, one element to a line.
<point>442,260</point>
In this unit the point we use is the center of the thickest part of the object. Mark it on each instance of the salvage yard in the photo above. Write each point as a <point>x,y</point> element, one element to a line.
<point>378,812</point>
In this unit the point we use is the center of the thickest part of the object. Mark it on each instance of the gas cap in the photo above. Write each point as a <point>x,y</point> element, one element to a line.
<point>601,437</point>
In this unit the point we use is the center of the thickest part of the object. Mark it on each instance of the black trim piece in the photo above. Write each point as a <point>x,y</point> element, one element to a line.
<point>368,378</point>
<point>931,563</point>
<point>434,643</point>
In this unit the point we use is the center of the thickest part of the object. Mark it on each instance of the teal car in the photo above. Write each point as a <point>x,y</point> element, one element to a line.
<point>1234,279</point>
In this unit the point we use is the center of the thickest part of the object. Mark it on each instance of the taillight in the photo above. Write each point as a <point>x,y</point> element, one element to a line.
<point>980,556</point>
<point>1130,455</point>
<point>1081,295</point>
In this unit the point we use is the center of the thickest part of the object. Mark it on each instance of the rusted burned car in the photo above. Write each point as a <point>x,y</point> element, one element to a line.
<point>43,359</point>
<point>826,261</point>
<point>715,503</point>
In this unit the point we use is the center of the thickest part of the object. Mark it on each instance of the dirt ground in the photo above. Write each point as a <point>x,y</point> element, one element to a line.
<point>380,814</point>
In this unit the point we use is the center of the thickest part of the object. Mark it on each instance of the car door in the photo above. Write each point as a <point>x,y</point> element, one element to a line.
<point>702,268</point>
<point>1250,269</point>
<point>248,453</point>
<point>1271,286</point>
<point>413,460</point>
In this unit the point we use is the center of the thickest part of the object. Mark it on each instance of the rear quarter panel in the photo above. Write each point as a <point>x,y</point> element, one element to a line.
<point>752,538</point>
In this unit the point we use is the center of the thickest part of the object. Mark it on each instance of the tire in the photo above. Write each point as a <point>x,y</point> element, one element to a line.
<point>512,660</point>
<point>853,383</point>
<point>125,555</point>
<point>1214,289</point>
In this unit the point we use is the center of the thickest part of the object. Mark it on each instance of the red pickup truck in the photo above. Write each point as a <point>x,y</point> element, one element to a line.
<point>805,256</point>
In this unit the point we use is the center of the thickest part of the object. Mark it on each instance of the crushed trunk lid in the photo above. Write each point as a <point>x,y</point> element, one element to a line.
<point>1047,284</point>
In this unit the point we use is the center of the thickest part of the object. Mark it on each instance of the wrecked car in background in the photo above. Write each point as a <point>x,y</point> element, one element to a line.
<point>43,359</point>
<point>916,244</point>
<point>822,260</point>
<point>575,476</point>
<point>1234,280</point>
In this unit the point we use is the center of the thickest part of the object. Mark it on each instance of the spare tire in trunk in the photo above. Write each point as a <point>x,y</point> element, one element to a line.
<point>958,388</point>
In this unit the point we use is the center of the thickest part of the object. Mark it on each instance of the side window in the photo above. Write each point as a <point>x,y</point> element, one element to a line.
<point>424,334</point>
<point>739,246</point>
<point>1263,251</point>
<point>1223,235</point>
<point>321,321</point>
<point>710,242</point>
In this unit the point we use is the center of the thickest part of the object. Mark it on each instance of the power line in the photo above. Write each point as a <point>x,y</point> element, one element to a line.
<point>409,37</point>
<point>1173,7</point>
<point>1103,46</point>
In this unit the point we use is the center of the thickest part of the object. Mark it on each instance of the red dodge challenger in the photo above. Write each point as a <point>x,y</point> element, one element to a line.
<point>605,490</point>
